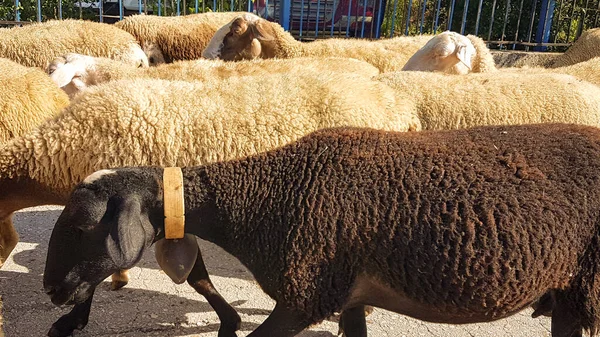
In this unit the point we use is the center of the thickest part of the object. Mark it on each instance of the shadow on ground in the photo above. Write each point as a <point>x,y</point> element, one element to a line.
<point>149,305</point>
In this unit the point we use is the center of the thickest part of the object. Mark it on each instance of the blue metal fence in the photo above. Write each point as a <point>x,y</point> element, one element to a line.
<point>512,24</point>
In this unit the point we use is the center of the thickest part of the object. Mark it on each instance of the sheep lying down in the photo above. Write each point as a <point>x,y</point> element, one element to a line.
<point>457,226</point>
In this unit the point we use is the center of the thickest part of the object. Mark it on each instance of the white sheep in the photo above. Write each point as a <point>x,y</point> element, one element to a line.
<point>75,72</point>
<point>452,53</point>
<point>586,47</point>
<point>586,70</point>
<point>249,36</point>
<point>28,96</point>
<point>37,44</point>
<point>501,98</point>
<point>519,59</point>
<point>172,38</point>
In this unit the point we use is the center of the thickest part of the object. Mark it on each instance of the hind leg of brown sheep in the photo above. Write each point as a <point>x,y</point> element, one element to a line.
<point>8,238</point>
<point>200,281</point>
<point>282,322</point>
<point>353,322</point>
<point>564,323</point>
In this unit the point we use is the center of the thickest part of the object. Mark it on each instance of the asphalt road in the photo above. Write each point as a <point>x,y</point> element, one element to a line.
<point>152,305</point>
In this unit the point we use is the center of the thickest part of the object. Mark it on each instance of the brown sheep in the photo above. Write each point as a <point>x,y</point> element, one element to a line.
<point>457,226</point>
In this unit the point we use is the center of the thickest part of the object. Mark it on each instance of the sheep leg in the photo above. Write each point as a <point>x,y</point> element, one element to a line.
<point>8,238</point>
<point>200,281</point>
<point>282,322</point>
<point>564,323</point>
<point>119,279</point>
<point>353,322</point>
<point>544,305</point>
<point>77,318</point>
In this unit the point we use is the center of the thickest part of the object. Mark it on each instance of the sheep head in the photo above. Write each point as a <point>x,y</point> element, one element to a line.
<point>73,72</point>
<point>135,56</point>
<point>109,221</point>
<point>243,42</point>
<point>447,52</point>
<point>243,38</point>
<point>154,53</point>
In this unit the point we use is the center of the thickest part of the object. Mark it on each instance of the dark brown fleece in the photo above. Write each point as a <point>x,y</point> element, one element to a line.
<point>474,223</point>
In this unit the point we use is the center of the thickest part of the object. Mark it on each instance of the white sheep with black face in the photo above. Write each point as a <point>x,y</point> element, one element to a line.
<point>249,36</point>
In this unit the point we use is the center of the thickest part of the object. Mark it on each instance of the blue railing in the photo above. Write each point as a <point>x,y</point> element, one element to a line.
<point>521,24</point>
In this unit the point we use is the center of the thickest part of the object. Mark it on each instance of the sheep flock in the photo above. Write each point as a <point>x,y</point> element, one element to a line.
<point>425,175</point>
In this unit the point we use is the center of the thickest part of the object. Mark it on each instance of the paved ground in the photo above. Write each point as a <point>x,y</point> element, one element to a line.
<point>151,305</point>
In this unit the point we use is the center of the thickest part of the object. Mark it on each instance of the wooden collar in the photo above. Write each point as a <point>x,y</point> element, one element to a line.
<point>173,200</point>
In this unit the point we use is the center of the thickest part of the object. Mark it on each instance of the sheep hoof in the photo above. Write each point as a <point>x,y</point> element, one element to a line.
<point>227,333</point>
<point>65,326</point>
<point>230,326</point>
<point>116,285</point>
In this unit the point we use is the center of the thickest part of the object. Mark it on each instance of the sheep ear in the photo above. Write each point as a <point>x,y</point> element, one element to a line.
<point>464,55</point>
<point>63,75</point>
<point>260,31</point>
<point>128,238</point>
<point>176,257</point>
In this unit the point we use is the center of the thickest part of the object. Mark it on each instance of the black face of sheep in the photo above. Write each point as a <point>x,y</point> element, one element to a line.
<point>112,229</point>
<point>106,226</point>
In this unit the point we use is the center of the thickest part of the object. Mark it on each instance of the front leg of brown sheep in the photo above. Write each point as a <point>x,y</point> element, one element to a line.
<point>77,318</point>
<point>198,278</point>
<point>200,281</point>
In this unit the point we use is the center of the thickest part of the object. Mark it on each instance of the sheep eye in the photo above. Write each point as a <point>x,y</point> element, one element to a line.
<point>151,60</point>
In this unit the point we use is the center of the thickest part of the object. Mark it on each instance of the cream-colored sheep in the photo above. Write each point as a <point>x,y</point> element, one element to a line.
<point>37,44</point>
<point>28,98</point>
<point>75,72</point>
<point>502,98</point>
<point>172,38</point>
<point>157,122</point>
<point>519,59</point>
<point>452,53</point>
<point>587,46</point>
<point>587,70</point>
<point>249,36</point>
